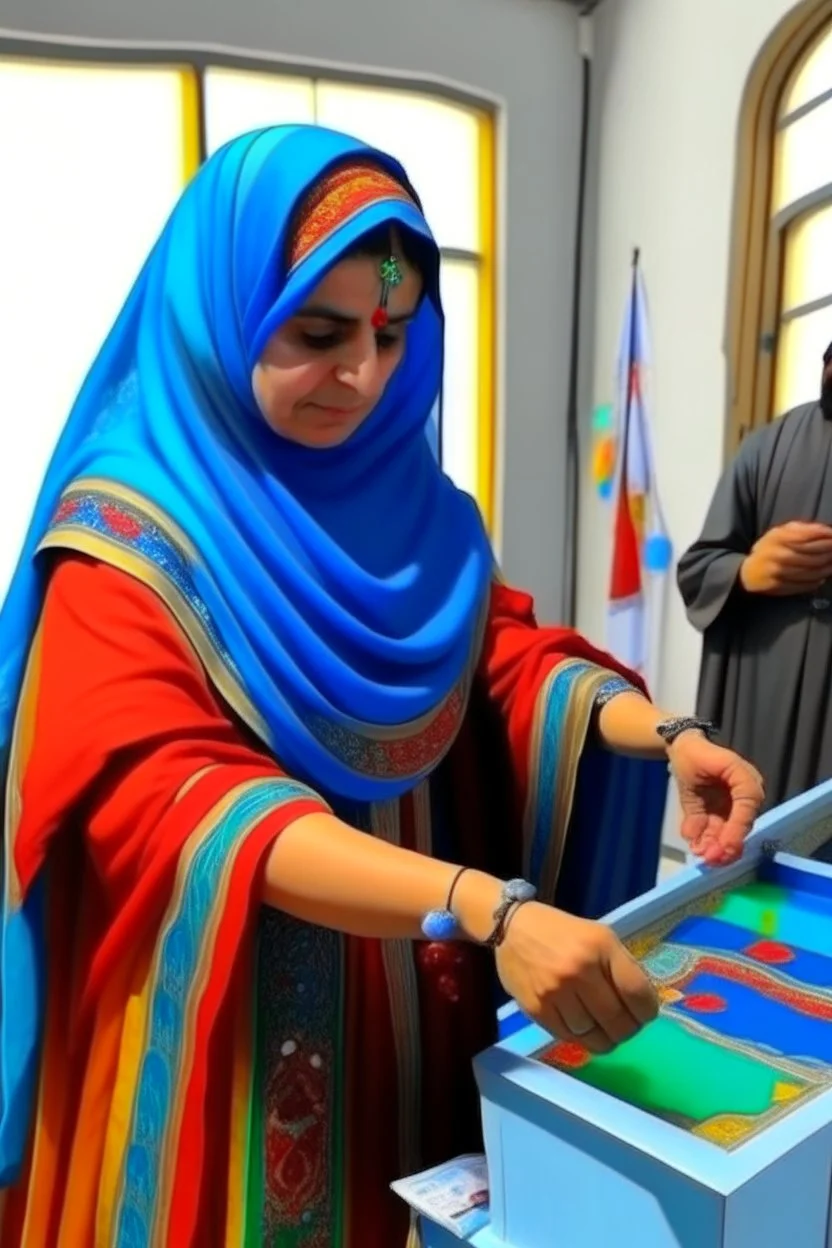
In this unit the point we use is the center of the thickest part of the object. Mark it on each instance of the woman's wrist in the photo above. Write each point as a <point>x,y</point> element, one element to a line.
<point>323,871</point>
<point>476,898</point>
<point>676,731</point>
<point>628,724</point>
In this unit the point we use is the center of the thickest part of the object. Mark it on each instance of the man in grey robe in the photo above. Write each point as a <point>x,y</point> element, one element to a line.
<point>758,585</point>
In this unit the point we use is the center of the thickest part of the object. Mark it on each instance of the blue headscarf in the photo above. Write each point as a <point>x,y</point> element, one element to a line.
<point>341,589</point>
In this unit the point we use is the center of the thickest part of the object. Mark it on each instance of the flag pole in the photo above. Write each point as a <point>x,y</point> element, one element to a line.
<point>625,623</point>
<point>626,415</point>
<point>642,551</point>
<point>631,362</point>
<point>572,481</point>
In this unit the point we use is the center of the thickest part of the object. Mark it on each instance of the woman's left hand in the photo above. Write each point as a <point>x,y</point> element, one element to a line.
<point>721,795</point>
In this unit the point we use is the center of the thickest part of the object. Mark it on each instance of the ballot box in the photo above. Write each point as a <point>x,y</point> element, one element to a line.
<point>713,1127</point>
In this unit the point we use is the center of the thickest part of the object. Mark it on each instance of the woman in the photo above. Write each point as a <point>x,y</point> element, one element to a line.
<point>257,662</point>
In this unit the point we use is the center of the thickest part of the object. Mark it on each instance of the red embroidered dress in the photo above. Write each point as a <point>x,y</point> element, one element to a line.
<point>212,1072</point>
<point>197,600</point>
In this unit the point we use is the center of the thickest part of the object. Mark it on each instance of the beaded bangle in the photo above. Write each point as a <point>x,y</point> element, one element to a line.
<point>442,924</point>
<point>515,894</point>
<point>670,729</point>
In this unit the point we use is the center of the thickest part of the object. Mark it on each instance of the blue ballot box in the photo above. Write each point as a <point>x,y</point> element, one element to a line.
<point>713,1127</point>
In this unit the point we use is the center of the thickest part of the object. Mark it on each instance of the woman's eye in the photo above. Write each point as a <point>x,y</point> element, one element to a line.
<point>386,341</point>
<point>320,342</point>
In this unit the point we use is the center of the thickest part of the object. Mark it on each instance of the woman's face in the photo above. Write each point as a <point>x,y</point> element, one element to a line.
<point>322,373</point>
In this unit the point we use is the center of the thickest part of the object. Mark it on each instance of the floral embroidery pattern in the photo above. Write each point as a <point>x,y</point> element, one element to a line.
<point>337,198</point>
<point>299,1022</point>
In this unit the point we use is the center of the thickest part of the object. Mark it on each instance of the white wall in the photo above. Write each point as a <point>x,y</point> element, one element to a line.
<point>524,52</point>
<point>669,78</point>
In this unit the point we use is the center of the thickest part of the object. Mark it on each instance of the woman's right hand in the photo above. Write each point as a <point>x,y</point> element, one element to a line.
<point>574,977</point>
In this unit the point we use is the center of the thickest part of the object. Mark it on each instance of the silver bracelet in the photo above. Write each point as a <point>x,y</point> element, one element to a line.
<point>514,893</point>
<point>670,729</point>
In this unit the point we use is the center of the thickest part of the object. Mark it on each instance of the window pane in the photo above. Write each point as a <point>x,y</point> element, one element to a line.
<point>812,79</point>
<point>803,158</point>
<point>237,101</point>
<point>437,142</point>
<point>460,406</point>
<point>800,359</point>
<point>807,273</point>
<point>92,161</point>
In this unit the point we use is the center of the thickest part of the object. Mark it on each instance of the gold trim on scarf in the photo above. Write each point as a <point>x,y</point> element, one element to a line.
<point>574,727</point>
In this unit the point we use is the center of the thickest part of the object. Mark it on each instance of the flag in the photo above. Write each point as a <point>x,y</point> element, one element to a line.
<point>641,550</point>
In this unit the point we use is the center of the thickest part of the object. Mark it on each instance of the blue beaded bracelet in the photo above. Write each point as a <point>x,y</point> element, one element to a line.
<point>442,924</point>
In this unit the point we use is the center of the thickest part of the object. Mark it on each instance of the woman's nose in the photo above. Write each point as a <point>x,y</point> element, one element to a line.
<point>361,367</point>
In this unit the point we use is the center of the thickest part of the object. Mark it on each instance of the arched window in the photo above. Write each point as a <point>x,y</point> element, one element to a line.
<point>802,212</point>
<point>94,153</point>
<point>780,294</point>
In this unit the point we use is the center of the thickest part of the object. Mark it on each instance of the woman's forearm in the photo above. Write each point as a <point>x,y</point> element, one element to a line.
<point>325,872</point>
<point>627,724</point>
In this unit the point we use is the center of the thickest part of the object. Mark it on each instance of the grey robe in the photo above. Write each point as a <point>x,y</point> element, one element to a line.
<point>766,673</point>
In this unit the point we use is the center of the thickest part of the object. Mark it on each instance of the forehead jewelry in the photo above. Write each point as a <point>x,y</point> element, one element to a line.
<point>390,272</point>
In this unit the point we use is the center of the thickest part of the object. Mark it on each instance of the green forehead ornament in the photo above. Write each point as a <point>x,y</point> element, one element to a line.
<point>390,272</point>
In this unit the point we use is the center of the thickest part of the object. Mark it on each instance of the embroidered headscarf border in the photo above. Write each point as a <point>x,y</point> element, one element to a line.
<point>337,197</point>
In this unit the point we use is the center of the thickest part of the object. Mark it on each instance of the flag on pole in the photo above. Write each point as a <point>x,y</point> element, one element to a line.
<point>642,553</point>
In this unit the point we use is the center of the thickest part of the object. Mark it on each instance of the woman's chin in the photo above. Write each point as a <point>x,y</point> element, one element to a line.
<point>320,434</point>
<point>324,439</point>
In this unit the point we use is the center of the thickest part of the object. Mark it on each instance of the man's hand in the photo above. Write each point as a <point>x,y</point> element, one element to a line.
<point>794,558</point>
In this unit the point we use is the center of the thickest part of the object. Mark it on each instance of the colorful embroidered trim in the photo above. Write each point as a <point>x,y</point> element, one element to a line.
<point>131,527</point>
<point>186,941</point>
<point>128,532</point>
<point>406,756</point>
<point>563,713</point>
<point>296,1148</point>
<point>337,198</point>
<point>611,689</point>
